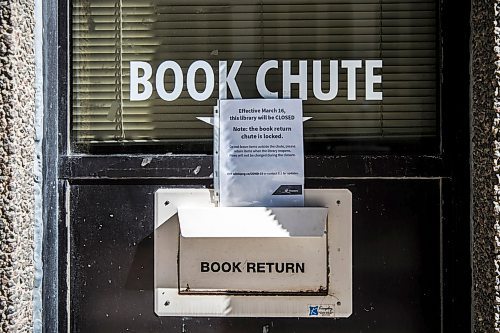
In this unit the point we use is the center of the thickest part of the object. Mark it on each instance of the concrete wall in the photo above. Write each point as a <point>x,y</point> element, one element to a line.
<point>496,137</point>
<point>485,126</point>
<point>17,98</point>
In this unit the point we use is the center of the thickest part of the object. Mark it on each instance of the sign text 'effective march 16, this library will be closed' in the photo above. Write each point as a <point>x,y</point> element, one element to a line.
<point>261,153</point>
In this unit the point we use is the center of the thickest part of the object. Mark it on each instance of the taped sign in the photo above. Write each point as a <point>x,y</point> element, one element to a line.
<point>261,153</point>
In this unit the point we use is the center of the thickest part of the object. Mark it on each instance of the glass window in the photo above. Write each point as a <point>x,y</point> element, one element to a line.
<point>370,70</point>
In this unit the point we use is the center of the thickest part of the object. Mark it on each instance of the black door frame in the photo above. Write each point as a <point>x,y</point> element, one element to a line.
<point>451,166</point>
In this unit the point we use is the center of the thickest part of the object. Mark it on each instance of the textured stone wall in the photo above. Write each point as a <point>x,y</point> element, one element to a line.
<point>496,134</point>
<point>17,97</point>
<point>484,128</point>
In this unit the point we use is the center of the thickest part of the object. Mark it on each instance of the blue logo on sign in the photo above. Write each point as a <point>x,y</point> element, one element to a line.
<point>313,310</point>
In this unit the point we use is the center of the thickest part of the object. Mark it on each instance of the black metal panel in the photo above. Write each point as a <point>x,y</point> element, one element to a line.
<point>457,254</point>
<point>375,166</point>
<point>201,166</point>
<point>396,263</point>
<point>142,166</point>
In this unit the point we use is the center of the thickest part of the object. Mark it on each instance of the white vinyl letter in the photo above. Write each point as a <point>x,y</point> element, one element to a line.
<point>371,79</point>
<point>226,80</point>
<point>209,83</point>
<point>300,78</point>
<point>261,79</point>
<point>160,81</point>
<point>351,66</point>
<point>334,81</point>
<point>135,81</point>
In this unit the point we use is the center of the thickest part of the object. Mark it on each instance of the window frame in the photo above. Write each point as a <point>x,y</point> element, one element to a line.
<point>423,146</point>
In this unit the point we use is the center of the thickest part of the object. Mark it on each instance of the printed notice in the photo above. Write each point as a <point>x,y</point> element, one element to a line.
<point>261,152</point>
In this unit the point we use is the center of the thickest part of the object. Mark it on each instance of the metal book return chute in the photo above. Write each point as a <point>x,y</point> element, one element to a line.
<point>252,261</point>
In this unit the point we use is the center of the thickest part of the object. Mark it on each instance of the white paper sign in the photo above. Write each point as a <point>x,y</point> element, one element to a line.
<point>261,152</point>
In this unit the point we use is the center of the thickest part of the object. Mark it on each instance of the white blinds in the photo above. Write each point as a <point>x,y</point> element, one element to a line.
<point>108,34</point>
